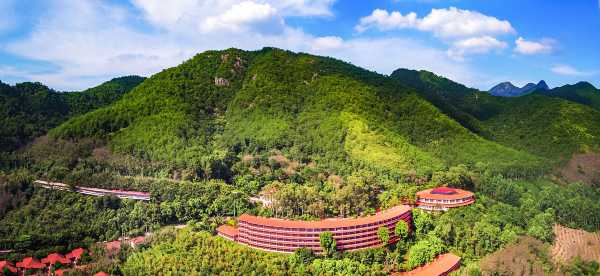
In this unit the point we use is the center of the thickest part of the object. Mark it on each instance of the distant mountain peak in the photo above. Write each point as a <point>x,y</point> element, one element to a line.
<point>542,85</point>
<point>585,85</point>
<point>507,89</point>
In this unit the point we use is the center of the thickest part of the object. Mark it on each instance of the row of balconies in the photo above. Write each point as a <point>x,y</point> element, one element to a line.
<point>314,241</point>
<point>274,229</point>
<point>300,236</point>
<point>316,248</point>
<point>446,201</point>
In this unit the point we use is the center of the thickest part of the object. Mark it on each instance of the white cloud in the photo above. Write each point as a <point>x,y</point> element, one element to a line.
<point>527,47</point>
<point>445,23</point>
<point>475,45</point>
<point>178,15</point>
<point>453,22</point>
<point>327,43</point>
<point>304,7</point>
<point>243,16</point>
<point>467,32</point>
<point>92,41</point>
<point>383,20</point>
<point>567,70</point>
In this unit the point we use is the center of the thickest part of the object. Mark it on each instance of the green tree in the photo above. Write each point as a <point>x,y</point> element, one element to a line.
<point>579,267</point>
<point>303,256</point>
<point>423,222</point>
<point>540,227</point>
<point>383,233</point>
<point>424,251</point>
<point>401,230</point>
<point>328,243</point>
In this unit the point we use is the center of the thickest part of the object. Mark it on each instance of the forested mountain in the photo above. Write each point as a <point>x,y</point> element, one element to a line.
<point>219,105</point>
<point>28,110</point>
<point>548,127</point>
<point>582,92</point>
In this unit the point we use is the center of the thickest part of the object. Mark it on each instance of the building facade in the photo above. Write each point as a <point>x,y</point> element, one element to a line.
<point>282,235</point>
<point>443,198</point>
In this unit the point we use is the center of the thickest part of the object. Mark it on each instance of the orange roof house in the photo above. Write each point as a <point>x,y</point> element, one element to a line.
<point>7,265</point>
<point>442,265</point>
<point>75,254</point>
<point>134,242</point>
<point>55,258</point>
<point>30,263</point>
<point>113,245</point>
<point>443,198</point>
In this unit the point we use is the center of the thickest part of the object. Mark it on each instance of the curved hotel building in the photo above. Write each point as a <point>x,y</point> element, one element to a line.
<point>282,235</point>
<point>443,198</point>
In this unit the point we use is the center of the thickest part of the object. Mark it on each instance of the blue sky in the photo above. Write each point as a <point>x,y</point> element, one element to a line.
<point>75,44</point>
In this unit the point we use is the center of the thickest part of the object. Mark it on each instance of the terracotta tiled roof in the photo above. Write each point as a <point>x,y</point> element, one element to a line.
<point>442,265</point>
<point>443,190</point>
<point>228,230</point>
<point>458,195</point>
<point>113,245</point>
<point>137,240</point>
<point>55,258</point>
<point>7,265</point>
<point>326,223</point>
<point>76,253</point>
<point>30,262</point>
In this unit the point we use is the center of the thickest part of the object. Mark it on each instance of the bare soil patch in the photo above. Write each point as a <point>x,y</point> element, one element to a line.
<point>582,167</point>
<point>528,256</point>
<point>570,243</point>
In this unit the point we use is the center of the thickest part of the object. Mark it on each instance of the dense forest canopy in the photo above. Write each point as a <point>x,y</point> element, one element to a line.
<point>29,110</point>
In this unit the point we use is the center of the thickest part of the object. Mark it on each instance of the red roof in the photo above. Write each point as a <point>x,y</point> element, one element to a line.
<point>101,273</point>
<point>458,194</point>
<point>137,240</point>
<point>326,223</point>
<point>113,245</point>
<point>7,265</point>
<point>228,230</point>
<point>54,258</point>
<point>30,262</point>
<point>76,253</point>
<point>441,265</point>
<point>58,272</point>
<point>443,190</point>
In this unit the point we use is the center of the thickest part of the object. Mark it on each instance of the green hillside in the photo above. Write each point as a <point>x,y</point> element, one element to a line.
<point>582,92</point>
<point>28,110</point>
<point>223,104</point>
<point>548,127</point>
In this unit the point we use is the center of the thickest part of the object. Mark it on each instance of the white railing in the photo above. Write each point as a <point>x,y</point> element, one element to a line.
<point>95,191</point>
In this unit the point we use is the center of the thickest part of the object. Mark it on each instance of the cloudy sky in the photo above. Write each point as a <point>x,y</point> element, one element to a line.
<point>75,44</point>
